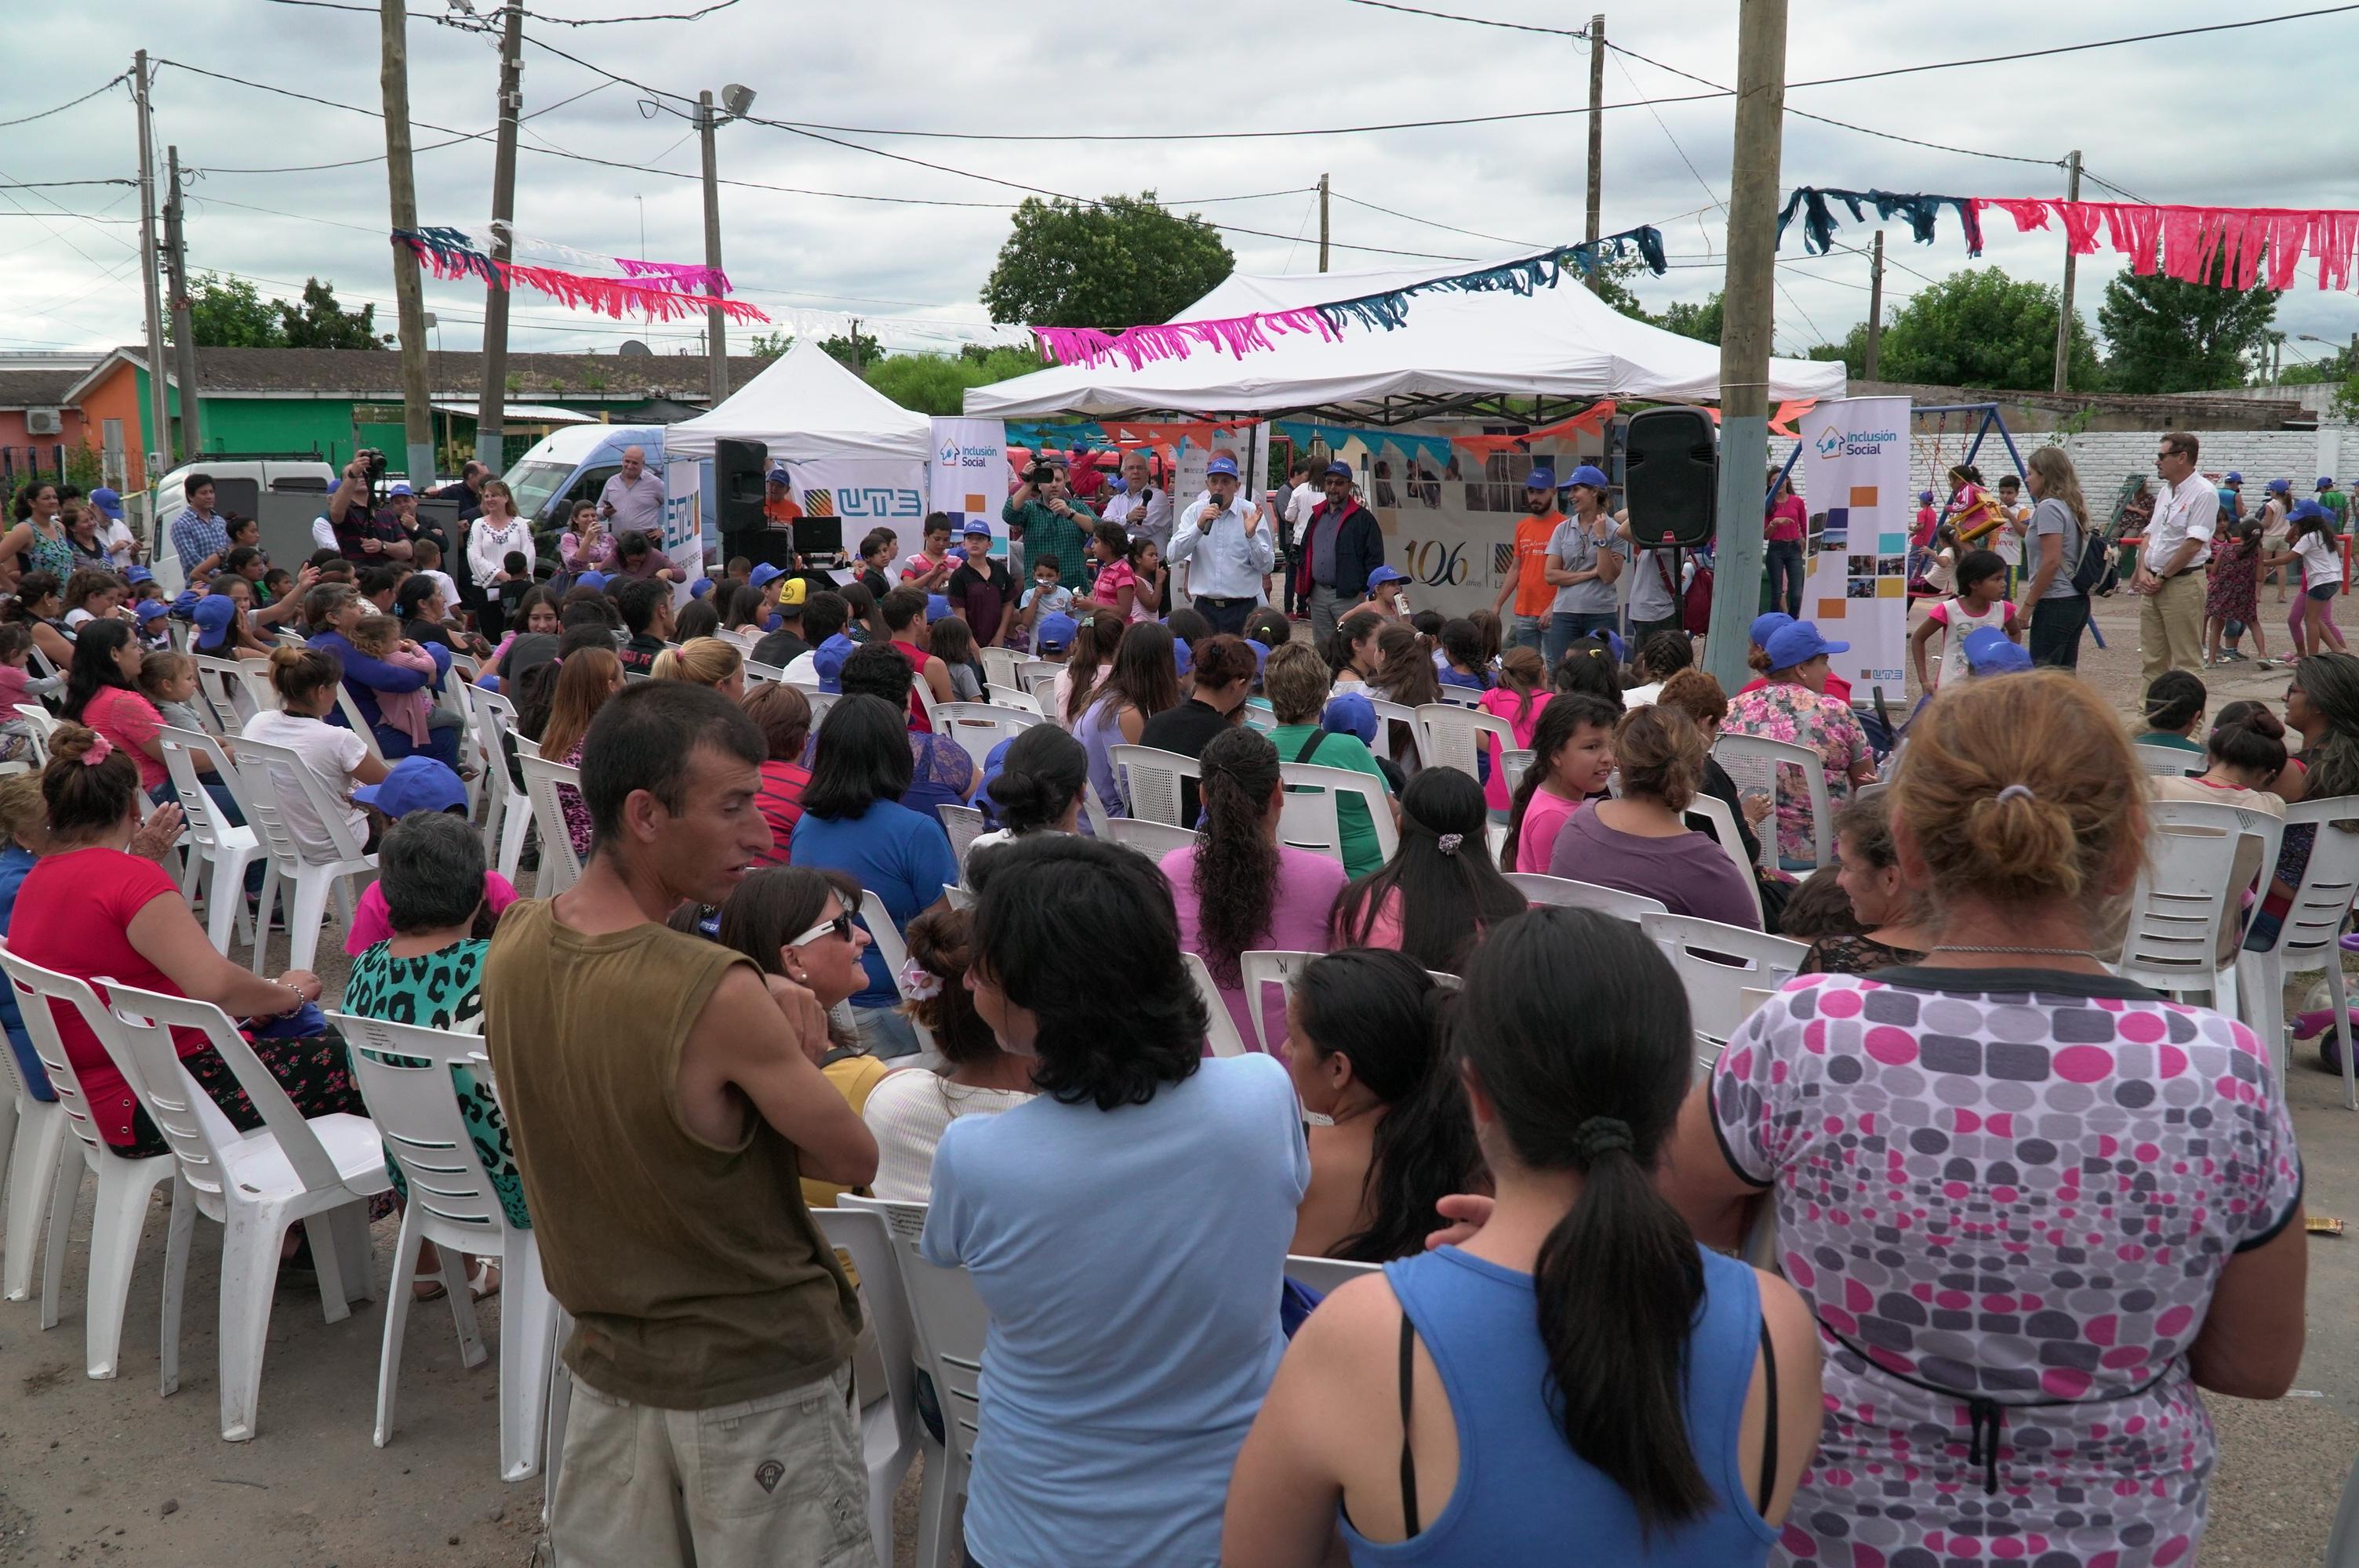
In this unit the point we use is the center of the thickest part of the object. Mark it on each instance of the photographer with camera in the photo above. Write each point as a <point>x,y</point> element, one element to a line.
<point>362,536</point>
<point>1044,516</point>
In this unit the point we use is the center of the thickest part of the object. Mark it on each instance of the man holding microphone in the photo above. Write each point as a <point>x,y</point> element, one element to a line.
<point>1228,545</point>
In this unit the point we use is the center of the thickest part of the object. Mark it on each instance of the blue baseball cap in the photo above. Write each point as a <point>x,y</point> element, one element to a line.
<point>398,487</point>
<point>1351,714</point>
<point>2325,482</point>
<point>2308,512</point>
<point>1591,475</point>
<point>827,660</point>
<point>1540,479</point>
<point>2232,476</point>
<point>1184,658</point>
<point>1221,465</point>
<point>1924,498</point>
<point>1118,485</point>
<point>779,476</point>
<point>1988,652</point>
<point>593,579</point>
<point>765,574</point>
<point>110,503</point>
<point>412,785</point>
<point>1799,643</point>
<point>138,575</point>
<point>1383,574</point>
<point>212,615</point>
<point>1261,656</point>
<point>1343,468</point>
<point>700,588</point>
<point>152,609</point>
<point>938,606</point>
<point>976,527</point>
<point>2280,487</point>
<point>1768,626</point>
<point>1057,632</point>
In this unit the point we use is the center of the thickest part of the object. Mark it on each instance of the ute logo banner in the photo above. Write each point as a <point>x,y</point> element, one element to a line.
<point>1856,480</point>
<point>866,494</point>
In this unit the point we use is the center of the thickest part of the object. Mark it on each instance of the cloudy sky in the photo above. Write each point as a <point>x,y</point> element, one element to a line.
<point>2225,118</point>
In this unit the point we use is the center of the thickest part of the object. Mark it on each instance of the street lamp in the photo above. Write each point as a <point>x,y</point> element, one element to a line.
<point>735,102</point>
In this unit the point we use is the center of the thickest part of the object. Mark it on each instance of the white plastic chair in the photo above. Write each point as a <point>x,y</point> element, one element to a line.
<point>403,1073</point>
<point>958,898</point>
<point>1515,765</point>
<point>268,770</point>
<point>891,1433</point>
<point>1461,696</point>
<point>2167,761</point>
<point>560,867</point>
<point>757,671</point>
<point>350,709</point>
<point>964,823</point>
<point>1566,893</point>
<point>1151,778</point>
<point>949,1324</point>
<point>821,701</point>
<point>891,947</point>
<point>1722,825</point>
<point>2309,938</point>
<point>41,722</point>
<point>1002,669</point>
<point>1220,1029</point>
<point>980,726</point>
<point>1017,701</point>
<point>1259,718</point>
<point>2184,899</point>
<point>319,1169</point>
<point>240,686</point>
<point>1717,964</point>
<point>1389,714</point>
<point>125,1183</point>
<point>1326,1275</point>
<point>1151,838</point>
<point>1456,735</point>
<point>1306,820</point>
<point>1754,763</point>
<point>32,1139</point>
<point>1261,969</point>
<point>508,810</point>
<point>1302,779</point>
<point>219,843</point>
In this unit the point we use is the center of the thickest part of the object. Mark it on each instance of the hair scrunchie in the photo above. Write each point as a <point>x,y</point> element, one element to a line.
<point>1601,1135</point>
<point>101,748</point>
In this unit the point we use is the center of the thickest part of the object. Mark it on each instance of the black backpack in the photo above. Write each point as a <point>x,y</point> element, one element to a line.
<point>2094,573</point>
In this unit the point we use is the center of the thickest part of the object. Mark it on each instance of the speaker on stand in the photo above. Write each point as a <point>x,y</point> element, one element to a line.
<point>1670,464</point>
<point>738,468</point>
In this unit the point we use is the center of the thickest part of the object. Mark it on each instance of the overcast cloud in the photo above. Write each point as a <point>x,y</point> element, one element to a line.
<point>2249,118</point>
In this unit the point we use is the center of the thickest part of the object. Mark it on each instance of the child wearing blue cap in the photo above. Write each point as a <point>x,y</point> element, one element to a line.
<point>2310,539</point>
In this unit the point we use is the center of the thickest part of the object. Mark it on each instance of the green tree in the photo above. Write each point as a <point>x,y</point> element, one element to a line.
<point>1980,328</point>
<point>1851,353</point>
<point>1699,321</point>
<point>2170,336</point>
<point>768,346</point>
<point>319,323</point>
<point>937,383</point>
<point>1119,263</point>
<point>227,313</point>
<point>1615,277</point>
<point>839,350</point>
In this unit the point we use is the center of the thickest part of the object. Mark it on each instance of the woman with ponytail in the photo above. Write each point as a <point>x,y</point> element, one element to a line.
<point>1439,892</point>
<point>1367,1055</point>
<point>1039,788</point>
<point>1237,888</point>
<point>2133,1153</point>
<point>1578,1369</point>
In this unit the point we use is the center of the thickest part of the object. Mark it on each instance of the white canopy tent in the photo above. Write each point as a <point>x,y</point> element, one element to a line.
<point>1456,354</point>
<point>806,409</point>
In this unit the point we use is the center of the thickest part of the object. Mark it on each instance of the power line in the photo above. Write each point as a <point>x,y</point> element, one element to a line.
<point>58,184</point>
<point>482,25</point>
<point>1429,223</point>
<point>1479,21</point>
<point>428,147</point>
<point>61,108</point>
<point>2109,185</point>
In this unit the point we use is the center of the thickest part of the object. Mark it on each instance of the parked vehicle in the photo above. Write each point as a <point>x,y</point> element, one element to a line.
<point>239,485</point>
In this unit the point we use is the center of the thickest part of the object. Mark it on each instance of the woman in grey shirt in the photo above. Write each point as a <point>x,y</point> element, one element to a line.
<point>2059,523</point>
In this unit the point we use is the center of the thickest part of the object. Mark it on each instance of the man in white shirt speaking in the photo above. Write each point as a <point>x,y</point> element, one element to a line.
<point>1143,508</point>
<point>2169,574</point>
<point>1228,545</point>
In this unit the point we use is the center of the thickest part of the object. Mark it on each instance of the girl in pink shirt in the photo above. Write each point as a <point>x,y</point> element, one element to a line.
<point>1519,696</point>
<point>1572,757</point>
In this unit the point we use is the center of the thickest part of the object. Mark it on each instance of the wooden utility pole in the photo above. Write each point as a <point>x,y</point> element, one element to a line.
<point>158,455</point>
<point>1749,318</point>
<point>491,403</point>
<point>1596,140</point>
<point>856,368</point>
<point>2064,317</point>
<point>716,336</point>
<point>184,337</point>
<point>1323,222</point>
<point>1875,307</point>
<point>408,289</point>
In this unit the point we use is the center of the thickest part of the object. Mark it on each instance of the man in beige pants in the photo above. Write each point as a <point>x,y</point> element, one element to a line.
<point>2169,574</point>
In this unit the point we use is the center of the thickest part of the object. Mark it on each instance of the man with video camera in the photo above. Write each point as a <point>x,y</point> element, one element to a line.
<point>1043,515</point>
<point>361,534</point>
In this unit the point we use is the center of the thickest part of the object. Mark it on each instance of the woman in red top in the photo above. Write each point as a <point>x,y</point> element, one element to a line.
<point>91,908</point>
<point>785,716</point>
<point>1789,524</point>
<point>102,691</point>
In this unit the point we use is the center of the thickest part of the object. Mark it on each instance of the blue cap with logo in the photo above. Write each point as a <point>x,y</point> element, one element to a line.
<point>138,575</point>
<point>1988,652</point>
<point>1541,478</point>
<point>779,476</point>
<point>1383,574</point>
<point>827,661</point>
<point>415,784</point>
<point>1797,643</point>
<point>1768,626</point>
<point>975,528</point>
<point>765,574</point>
<point>399,488</point>
<point>1924,498</point>
<point>700,588</point>
<point>107,501</point>
<point>2232,476</point>
<point>938,606</point>
<point>1261,654</point>
<point>212,615</point>
<point>2325,482</point>
<point>593,579</point>
<point>1340,468</point>
<point>1221,465</point>
<point>1056,634</point>
<point>2280,487</point>
<point>152,609</point>
<point>1351,714</point>
<point>1184,658</point>
<point>2308,512</point>
<point>1591,475</point>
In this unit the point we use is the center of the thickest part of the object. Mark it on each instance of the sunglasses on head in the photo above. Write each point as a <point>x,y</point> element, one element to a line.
<point>841,926</point>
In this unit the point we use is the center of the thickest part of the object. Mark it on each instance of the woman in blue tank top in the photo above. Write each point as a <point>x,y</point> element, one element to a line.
<point>1577,1380</point>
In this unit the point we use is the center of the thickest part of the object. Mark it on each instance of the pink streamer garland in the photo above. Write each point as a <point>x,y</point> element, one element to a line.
<point>2191,244</point>
<point>1137,346</point>
<point>679,274</point>
<point>612,297</point>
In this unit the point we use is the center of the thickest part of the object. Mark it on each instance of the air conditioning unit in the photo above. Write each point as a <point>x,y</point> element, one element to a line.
<point>44,422</point>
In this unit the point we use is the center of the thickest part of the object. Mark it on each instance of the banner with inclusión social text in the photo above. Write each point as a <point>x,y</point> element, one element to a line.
<point>1856,480</point>
<point>969,474</point>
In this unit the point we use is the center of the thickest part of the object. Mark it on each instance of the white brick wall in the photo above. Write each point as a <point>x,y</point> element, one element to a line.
<point>2104,458</point>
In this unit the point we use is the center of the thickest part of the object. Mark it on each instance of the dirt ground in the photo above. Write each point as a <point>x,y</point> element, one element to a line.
<point>109,1473</point>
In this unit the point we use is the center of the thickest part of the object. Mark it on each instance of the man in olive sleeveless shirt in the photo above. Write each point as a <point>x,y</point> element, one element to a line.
<point>663,1099</point>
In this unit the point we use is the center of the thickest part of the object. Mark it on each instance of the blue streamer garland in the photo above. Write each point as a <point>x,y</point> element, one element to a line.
<point>1523,275</point>
<point>1919,210</point>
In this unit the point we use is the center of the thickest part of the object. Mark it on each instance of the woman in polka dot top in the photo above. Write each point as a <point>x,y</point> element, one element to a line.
<point>2035,1207</point>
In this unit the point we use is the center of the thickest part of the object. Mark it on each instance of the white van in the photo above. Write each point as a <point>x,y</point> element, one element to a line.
<point>574,464</point>
<point>238,485</point>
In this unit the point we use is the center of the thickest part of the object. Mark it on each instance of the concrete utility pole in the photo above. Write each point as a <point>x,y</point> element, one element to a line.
<point>1875,307</point>
<point>159,456</point>
<point>184,337</point>
<point>491,403</point>
<point>1750,316</point>
<point>1323,222</point>
<point>857,367</point>
<point>1596,138</point>
<point>716,336</point>
<point>408,289</point>
<point>2064,317</point>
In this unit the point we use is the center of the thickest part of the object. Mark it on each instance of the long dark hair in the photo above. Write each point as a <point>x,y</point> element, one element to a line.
<point>1236,865</point>
<point>1043,772</point>
<point>863,757</point>
<point>773,906</point>
<point>1405,674</point>
<point>94,670</point>
<point>1384,1012</point>
<point>31,588</point>
<point>1447,896</point>
<point>1144,675</point>
<point>1564,715</point>
<point>1095,643</point>
<point>1577,1028</point>
<point>1588,666</point>
<point>2331,682</point>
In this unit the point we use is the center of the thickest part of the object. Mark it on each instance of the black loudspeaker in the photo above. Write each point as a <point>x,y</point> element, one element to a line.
<point>774,545</point>
<point>1671,476</point>
<point>737,470</point>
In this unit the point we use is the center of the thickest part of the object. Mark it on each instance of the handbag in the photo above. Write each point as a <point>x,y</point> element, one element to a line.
<point>1695,607</point>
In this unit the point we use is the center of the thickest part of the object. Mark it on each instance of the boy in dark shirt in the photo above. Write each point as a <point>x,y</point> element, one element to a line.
<point>981,590</point>
<point>645,606</point>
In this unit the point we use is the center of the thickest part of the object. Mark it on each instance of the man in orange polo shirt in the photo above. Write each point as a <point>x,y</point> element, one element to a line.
<point>1527,579</point>
<point>779,502</point>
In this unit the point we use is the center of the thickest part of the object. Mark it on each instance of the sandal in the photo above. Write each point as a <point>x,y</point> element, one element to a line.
<point>484,1282</point>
